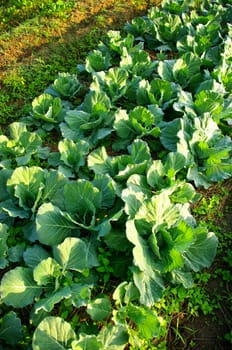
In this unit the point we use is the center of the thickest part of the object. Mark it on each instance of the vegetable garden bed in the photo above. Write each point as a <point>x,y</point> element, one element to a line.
<point>96,229</point>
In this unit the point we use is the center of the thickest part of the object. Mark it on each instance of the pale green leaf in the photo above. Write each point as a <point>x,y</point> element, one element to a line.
<point>75,254</point>
<point>99,308</point>
<point>146,321</point>
<point>46,271</point>
<point>86,342</point>
<point>113,337</point>
<point>52,225</point>
<point>48,303</point>
<point>18,287</point>
<point>53,333</point>
<point>150,287</point>
<point>203,250</point>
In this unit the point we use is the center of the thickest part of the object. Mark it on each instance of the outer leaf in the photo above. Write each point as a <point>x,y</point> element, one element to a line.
<point>174,163</point>
<point>13,210</point>
<point>156,175</point>
<point>26,184</point>
<point>81,294</point>
<point>125,293</point>
<point>75,254</point>
<point>100,162</point>
<point>146,320</point>
<point>99,309</point>
<point>18,287</point>
<point>113,337</point>
<point>53,189</point>
<point>87,197</point>
<point>53,333</point>
<point>47,304</point>
<point>150,287</point>
<point>184,192</point>
<point>202,252</point>
<point>133,198</point>
<point>143,257</point>
<point>4,176</point>
<point>34,255</point>
<point>122,124</point>
<point>107,190</point>
<point>52,225</point>
<point>87,342</point>
<point>46,271</point>
<point>11,329</point>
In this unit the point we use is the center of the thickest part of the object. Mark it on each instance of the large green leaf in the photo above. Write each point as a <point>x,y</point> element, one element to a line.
<point>81,294</point>
<point>26,183</point>
<point>87,198</point>
<point>146,321</point>
<point>113,337</point>
<point>87,342</point>
<point>150,287</point>
<point>136,162</point>
<point>73,153</point>
<point>203,250</point>
<point>125,293</point>
<point>53,189</point>
<point>46,271</point>
<point>47,303</point>
<point>100,162</point>
<point>106,188</point>
<point>99,308</point>
<point>18,287</point>
<point>143,256</point>
<point>75,254</point>
<point>4,176</point>
<point>34,255</point>
<point>52,225</point>
<point>122,124</point>
<point>159,210</point>
<point>53,333</point>
<point>133,198</point>
<point>11,330</point>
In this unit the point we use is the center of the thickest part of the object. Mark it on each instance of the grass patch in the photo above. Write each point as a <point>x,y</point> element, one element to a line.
<point>38,39</point>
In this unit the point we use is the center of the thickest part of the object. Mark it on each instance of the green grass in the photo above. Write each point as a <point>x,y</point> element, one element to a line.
<point>39,39</point>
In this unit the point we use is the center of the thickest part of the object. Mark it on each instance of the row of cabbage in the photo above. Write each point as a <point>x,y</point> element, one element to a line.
<point>100,223</point>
